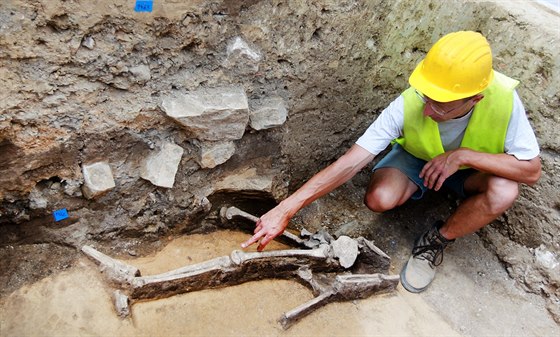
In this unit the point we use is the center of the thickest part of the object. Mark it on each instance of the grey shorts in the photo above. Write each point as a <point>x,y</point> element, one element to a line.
<point>411,167</point>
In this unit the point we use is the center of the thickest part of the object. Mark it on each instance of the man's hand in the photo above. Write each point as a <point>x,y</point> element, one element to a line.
<point>276,220</point>
<point>267,228</point>
<point>440,168</point>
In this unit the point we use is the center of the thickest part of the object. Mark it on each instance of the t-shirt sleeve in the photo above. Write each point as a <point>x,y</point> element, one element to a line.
<point>385,128</point>
<point>521,141</point>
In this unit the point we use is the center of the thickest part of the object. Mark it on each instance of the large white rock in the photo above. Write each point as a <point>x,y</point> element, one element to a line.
<point>98,179</point>
<point>160,167</point>
<point>213,154</point>
<point>214,114</point>
<point>270,113</point>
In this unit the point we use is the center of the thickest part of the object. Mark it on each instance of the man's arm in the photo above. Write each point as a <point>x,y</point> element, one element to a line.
<point>276,220</point>
<point>503,165</point>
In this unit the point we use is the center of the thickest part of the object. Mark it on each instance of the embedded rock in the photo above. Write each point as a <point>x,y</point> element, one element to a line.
<point>213,154</point>
<point>214,114</point>
<point>270,113</point>
<point>98,179</point>
<point>160,168</point>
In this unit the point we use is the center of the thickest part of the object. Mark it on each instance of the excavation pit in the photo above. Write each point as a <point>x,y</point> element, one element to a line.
<point>89,126</point>
<point>341,269</point>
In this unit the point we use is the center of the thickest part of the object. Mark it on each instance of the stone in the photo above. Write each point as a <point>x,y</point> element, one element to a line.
<point>270,113</point>
<point>141,73</point>
<point>545,258</point>
<point>88,42</point>
<point>98,179</point>
<point>241,58</point>
<point>213,154</point>
<point>160,168</point>
<point>37,200</point>
<point>237,47</point>
<point>213,114</point>
<point>246,180</point>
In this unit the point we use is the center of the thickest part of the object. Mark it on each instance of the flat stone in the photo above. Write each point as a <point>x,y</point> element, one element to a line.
<point>98,179</point>
<point>246,179</point>
<point>213,154</point>
<point>213,114</point>
<point>161,167</point>
<point>268,114</point>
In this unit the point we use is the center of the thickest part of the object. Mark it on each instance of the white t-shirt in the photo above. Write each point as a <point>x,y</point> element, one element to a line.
<point>520,138</point>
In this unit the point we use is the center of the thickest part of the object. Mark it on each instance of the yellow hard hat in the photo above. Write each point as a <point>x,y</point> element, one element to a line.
<point>458,65</point>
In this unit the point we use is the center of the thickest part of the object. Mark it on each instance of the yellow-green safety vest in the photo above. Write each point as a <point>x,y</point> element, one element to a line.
<point>486,131</point>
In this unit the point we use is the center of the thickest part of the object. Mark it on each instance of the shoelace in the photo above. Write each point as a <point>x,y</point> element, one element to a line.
<point>432,252</point>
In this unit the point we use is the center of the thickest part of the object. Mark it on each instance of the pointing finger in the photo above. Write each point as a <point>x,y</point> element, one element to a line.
<point>264,242</point>
<point>253,239</point>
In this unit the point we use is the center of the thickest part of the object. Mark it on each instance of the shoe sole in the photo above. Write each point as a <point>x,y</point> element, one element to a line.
<point>406,285</point>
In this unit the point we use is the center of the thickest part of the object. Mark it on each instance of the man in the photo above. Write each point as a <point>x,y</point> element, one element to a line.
<point>460,125</point>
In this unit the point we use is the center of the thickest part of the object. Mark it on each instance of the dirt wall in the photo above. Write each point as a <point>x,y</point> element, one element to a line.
<point>84,81</point>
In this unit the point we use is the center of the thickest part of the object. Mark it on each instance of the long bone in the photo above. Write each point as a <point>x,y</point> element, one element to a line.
<point>117,271</point>
<point>228,213</point>
<point>239,267</point>
<point>343,288</point>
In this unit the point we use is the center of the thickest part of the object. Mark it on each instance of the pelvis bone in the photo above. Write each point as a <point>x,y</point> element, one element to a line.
<point>336,270</point>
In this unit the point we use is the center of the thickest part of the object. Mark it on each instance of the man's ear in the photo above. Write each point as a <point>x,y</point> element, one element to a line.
<point>477,98</point>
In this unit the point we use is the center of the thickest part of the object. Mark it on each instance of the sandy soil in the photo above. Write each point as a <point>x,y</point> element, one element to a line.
<point>77,302</point>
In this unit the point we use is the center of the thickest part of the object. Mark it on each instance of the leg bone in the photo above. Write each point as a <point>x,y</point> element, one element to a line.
<point>117,271</point>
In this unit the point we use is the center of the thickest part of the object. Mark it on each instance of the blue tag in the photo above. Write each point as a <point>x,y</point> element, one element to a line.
<point>60,214</point>
<point>144,5</point>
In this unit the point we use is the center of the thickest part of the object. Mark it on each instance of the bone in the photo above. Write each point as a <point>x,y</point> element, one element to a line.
<point>346,250</point>
<point>319,283</point>
<point>217,263</point>
<point>238,268</point>
<point>117,271</point>
<point>344,288</point>
<point>205,275</point>
<point>230,212</point>
<point>358,286</point>
<point>319,268</point>
<point>121,303</point>
<point>371,259</point>
<point>239,257</point>
<point>294,315</point>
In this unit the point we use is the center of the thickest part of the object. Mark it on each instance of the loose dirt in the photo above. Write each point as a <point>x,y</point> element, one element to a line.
<point>77,302</point>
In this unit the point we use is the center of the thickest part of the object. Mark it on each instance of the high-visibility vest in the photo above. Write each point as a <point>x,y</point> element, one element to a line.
<point>486,131</point>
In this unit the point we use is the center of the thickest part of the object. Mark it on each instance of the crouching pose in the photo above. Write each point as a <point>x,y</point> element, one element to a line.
<point>460,125</point>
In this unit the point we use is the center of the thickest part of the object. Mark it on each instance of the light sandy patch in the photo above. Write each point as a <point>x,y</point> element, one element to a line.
<point>77,302</point>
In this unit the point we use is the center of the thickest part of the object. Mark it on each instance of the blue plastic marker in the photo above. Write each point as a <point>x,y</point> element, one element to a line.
<point>60,214</point>
<point>144,6</point>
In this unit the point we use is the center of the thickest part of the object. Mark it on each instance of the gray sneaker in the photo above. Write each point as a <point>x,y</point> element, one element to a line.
<point>420,270</point>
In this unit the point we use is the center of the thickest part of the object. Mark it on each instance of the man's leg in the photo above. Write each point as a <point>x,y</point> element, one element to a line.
<point>490,197</point>
<point>387,189</point>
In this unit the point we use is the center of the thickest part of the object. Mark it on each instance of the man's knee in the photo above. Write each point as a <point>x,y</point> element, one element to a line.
<point>380,200</point>
<point>501,193</point>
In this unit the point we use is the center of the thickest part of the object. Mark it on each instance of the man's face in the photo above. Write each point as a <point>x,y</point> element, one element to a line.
<point>444,111</point>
